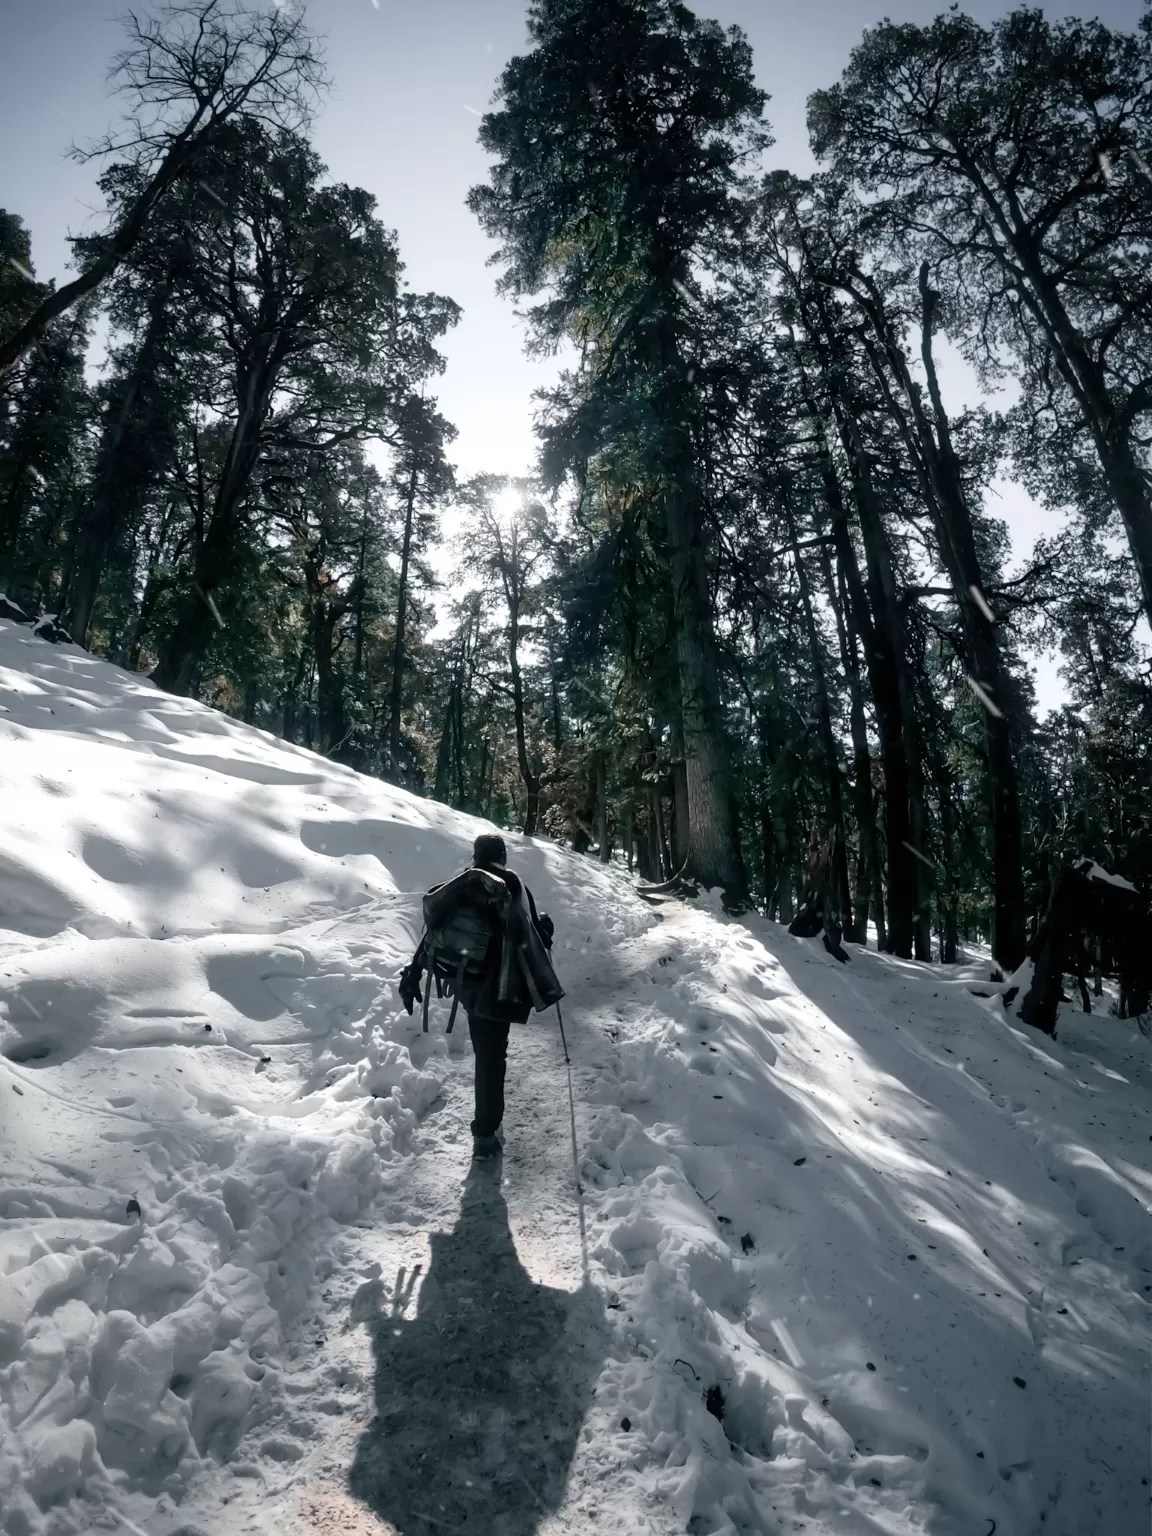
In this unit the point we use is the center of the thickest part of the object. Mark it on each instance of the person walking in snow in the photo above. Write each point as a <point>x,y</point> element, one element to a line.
<point>514,976</point>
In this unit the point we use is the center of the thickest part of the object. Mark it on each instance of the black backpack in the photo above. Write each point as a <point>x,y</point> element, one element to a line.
<point>464,921</point>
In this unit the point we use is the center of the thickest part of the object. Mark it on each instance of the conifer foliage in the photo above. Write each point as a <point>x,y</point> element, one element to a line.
<point>752,624</point>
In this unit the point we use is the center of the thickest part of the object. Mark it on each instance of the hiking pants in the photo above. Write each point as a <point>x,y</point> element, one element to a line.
<point>490,1042</point>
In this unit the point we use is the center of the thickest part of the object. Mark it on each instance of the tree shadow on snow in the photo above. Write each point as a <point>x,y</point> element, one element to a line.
<point>480,1398</point>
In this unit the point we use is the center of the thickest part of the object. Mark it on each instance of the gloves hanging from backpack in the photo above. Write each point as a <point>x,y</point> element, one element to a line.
<point>409,988</point>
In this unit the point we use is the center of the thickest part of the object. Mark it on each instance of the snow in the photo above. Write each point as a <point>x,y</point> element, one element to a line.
<point>901,1242</point>
<point>1096,871</point>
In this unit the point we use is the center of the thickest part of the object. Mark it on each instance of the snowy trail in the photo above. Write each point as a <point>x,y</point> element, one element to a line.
<point>863,1255</point>
<point>480,1271</point>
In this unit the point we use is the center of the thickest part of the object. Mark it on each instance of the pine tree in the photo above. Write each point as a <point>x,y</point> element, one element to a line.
<point>1016,159</point>
<point>620,140</point>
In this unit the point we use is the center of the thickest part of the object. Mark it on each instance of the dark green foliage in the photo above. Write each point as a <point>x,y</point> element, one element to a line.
<point>753,623</point>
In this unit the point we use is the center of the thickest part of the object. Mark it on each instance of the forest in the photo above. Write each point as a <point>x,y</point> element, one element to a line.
<point>753,623</point>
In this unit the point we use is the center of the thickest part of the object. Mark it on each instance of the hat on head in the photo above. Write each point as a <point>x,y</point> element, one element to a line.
<point>488,850</point>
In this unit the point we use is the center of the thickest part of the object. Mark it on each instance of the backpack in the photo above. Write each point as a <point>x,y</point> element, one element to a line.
<point>464,920</point>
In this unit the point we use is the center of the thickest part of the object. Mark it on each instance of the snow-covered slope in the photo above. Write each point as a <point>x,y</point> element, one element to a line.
<point>855,1253</point>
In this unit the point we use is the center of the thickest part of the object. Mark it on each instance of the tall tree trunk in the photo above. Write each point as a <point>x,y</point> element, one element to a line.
<point>713,853</point>
<point>396,695</point>
<point>951,892</point>
<point>329,682</point>
<point>602,834</point>
<point>867,871</point>
<point>152,590</point>
<point>868,620</point>
<point>878,897</point>
<point>529,776</point>
<point>1008,938</point>
<point>767,829</point>
<point>904,793</point>
<point>292,696</point>
<point>361,559</point>
<point>554,696</point>
<point>930,444</point>
<point>663,852</point>
<point>839,871</point>
<point>442,785</point>
<point>491,781</point>
<point>681,815</point>
<point>782,778</point>
<point>650,865</point>
<point>198,617</point>
<point>106,509</point>
<point>458,749</point>
<point>483,791</point>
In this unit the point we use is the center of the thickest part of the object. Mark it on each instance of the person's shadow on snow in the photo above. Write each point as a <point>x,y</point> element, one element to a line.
<point>481,1397</point>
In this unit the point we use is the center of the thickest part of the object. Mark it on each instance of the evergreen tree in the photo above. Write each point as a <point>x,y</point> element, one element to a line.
<point>1017,159</point>
<point>293,291</point>
<point>187,73</point>
<point>620,140</point>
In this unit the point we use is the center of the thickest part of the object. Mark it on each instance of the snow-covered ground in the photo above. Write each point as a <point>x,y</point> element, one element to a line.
<point>855,1253</point>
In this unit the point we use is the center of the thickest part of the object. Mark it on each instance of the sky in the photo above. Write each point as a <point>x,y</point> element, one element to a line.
<point>410,79</point>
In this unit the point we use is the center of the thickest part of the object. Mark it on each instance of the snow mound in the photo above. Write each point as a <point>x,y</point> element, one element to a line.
<point>878,1259</point>
<point>204,1066</point>
<point>855,1251</point>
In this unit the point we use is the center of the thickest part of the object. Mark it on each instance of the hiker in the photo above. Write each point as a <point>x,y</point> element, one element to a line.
<point>510,977</point>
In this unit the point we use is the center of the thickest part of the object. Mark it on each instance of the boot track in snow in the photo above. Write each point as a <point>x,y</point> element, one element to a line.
<point>847,1249</point>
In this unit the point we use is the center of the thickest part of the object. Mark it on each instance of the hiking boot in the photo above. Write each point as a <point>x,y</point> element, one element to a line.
<point>485,1146</point>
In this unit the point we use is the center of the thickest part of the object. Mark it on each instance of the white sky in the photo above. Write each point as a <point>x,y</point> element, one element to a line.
<point>410,77</point>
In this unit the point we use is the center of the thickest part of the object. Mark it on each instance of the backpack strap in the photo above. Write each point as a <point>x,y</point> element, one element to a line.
<point>504,986</point>
<point>430,961</point>
<point>456,985</point>
<point>526,970</point>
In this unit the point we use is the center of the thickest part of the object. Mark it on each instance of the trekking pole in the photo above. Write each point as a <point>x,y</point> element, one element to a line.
<point>563,1042</point>
<point>571,1113</point>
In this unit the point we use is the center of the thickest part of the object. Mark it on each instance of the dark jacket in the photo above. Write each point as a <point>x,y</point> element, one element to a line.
<point>519,974</point>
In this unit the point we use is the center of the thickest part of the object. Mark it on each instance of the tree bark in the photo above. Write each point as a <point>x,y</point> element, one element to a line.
<point>867,868</point>
<point>767,830</point>
<point>361,558</point>
<point>892,639</point>
<point>713,855</point>
<point>530,778</point>
<point>106,509</point>
<point>396,695</point>
<point>329,683</point>
<point>663,852</point>
<point>681,815</point>
<point>880,659</point>
<point>713,842</point>
<point>603,837</point>
<point>292,696</point>
<point>197,620</point>
<point>152,589</point>
<point>1008,937</point>
<point>930,443</point>
<point>483,791</point>
<point>442,787</point>
<point>838,872</point>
